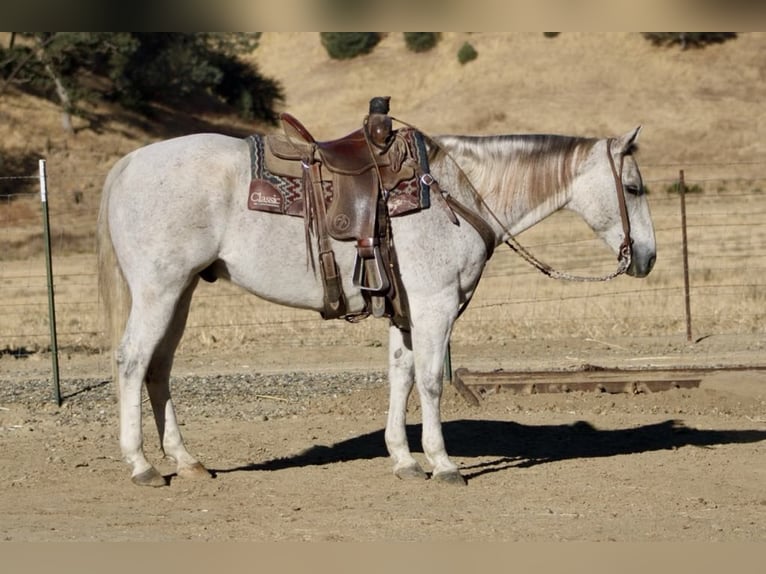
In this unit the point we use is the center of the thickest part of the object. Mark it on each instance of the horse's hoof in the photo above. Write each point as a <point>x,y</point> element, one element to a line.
<point>450,477</point>
<point>149,477</point>
<point>196,470</point>
<point>410,473</point>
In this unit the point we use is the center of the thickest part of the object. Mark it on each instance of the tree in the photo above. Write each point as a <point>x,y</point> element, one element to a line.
<point>141,68</point>
<point>41,62</point>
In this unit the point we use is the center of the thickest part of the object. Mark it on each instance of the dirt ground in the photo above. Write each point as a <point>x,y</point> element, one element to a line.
<point>299,455</point>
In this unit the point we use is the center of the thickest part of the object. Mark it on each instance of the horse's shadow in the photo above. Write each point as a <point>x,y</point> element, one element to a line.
<point>511,444</point>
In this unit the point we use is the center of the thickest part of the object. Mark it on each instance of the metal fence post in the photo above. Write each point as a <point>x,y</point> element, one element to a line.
<point>685,248</point>
<point>49,269</point>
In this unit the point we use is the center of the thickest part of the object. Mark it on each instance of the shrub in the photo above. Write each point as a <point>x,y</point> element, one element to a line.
<point>18,169</point>
<point>466,53</point>
<point>421,41</point>
<point>347,45</point>
<point>675,187</point>
<point>688,39</point>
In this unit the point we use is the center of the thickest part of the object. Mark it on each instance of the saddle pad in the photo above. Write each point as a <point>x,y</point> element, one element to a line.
<point>285,193</point>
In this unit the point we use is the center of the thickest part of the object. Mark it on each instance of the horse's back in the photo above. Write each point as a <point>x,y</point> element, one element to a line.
<point>181,158</point>
<point>183,174</point>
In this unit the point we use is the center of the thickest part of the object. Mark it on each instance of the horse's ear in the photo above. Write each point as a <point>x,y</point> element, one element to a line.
<point>629,141</point>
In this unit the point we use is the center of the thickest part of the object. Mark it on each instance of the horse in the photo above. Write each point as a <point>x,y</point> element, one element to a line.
<point>174,211</point>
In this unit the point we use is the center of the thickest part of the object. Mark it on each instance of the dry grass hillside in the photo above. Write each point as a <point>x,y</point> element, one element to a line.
<point>695,105</point>
<point>698,107</point>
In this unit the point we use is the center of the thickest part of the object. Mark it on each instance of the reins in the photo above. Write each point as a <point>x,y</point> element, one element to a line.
<point>625,251</point>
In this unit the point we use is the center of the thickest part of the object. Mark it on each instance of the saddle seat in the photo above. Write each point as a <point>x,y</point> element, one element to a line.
<point>356,168</point>
<point>348,155</point>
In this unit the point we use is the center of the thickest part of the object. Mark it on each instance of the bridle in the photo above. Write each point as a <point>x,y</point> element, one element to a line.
<point>626,247</point>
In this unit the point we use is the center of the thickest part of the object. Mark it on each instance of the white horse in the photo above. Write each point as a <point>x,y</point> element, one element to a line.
<point>177,208</point>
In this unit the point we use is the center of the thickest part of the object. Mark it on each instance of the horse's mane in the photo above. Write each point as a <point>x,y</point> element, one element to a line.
<point>515,172</point>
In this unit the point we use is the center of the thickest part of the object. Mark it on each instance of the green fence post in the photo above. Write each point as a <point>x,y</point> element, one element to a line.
<point>49,269</point>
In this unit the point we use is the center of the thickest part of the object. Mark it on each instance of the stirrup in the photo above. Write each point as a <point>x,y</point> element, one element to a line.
<point>370,273</point>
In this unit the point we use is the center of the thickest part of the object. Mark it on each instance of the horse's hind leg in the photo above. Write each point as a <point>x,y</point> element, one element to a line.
<point>152,312</point>
<point>158,388</point>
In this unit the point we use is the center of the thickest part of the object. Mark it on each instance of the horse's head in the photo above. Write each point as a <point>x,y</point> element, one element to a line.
<point>595,198</point>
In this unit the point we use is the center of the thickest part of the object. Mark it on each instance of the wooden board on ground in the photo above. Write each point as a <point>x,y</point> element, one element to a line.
<point>475,386</point>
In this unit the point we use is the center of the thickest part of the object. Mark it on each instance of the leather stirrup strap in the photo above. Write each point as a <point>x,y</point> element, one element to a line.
<point>335,305</point>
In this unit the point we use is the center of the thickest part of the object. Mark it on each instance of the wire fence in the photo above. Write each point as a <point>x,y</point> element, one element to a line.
<point>726,229</point>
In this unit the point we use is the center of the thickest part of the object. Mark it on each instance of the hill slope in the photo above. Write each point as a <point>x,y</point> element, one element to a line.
<point>696,105</point>
<point>700,109</point>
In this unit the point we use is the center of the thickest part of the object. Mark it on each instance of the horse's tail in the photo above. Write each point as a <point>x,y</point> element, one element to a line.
<point>115,295</point>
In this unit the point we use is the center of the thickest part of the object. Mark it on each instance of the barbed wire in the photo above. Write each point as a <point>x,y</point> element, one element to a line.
<point>705,164</point>
<point>705,211</point>
<point>12,177</point>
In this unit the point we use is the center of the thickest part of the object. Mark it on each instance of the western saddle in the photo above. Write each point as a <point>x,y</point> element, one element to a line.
<point>350,188</point>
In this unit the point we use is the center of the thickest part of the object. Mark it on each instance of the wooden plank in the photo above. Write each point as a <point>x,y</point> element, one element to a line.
<point>474,386</point>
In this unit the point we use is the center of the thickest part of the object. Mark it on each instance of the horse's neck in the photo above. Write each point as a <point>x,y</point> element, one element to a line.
<point>512,188</point>
<point>525,212</point>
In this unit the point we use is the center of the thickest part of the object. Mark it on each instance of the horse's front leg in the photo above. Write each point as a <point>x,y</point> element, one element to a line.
<point>430,340</point>
<point>401,377</point>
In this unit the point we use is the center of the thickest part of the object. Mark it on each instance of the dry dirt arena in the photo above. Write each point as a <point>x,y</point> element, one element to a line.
<point>298,453</point>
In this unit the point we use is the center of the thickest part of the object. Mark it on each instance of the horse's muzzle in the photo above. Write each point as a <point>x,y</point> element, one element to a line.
<point>641,265</point>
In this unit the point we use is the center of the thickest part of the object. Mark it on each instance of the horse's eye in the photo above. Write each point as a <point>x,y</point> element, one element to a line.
<point>633,189</point>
